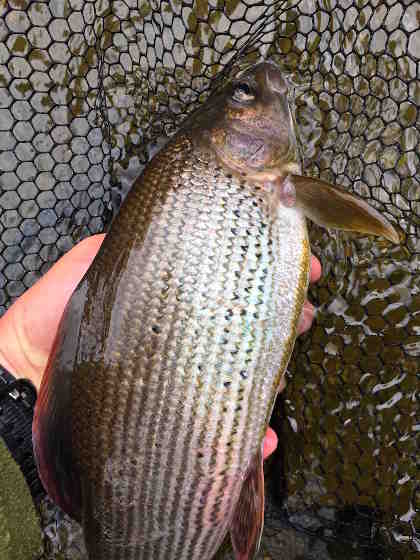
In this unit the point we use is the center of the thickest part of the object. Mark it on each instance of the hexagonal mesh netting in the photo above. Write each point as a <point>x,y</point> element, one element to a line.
<point>88,87</point>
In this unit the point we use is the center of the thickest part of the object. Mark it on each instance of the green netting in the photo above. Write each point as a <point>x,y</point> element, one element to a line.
<point>88,89</point>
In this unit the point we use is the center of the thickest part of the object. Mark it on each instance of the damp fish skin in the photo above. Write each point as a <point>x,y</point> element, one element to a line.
<point>151,415</point>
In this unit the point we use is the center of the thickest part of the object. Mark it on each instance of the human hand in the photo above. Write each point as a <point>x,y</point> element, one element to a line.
<point>28,328</point>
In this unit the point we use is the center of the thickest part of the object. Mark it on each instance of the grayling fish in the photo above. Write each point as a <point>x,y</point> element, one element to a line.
<point>151,416</point>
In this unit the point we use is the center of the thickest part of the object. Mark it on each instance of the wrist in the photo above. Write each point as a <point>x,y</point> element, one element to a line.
<point>4,363</point>
<point>16,355</point>
<point>17,399</point>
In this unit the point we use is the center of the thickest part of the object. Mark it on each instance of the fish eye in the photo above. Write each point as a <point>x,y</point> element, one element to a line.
<point>243,92</point>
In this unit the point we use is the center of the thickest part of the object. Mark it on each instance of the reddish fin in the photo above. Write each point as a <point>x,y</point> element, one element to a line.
<point>248,520</point>
<point>51,428</point>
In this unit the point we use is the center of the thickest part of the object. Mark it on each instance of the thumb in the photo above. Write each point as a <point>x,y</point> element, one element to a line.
<point>28,328</point>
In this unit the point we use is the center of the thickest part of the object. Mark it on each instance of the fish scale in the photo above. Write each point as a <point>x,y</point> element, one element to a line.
<point>182,405</point>
<point>198,307</point>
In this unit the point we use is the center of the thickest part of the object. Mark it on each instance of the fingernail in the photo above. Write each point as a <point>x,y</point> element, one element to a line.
<point>307,317</point>
<point>307,320</point>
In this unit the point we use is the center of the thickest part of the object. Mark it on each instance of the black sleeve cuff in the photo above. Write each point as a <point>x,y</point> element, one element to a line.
<point>17,400</point>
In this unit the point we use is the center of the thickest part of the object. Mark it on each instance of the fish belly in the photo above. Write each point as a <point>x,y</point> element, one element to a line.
<point>189,321</point>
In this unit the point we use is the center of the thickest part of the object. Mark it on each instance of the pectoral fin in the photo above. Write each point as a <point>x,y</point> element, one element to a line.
<point>248,521</point>
<point>330,206</point>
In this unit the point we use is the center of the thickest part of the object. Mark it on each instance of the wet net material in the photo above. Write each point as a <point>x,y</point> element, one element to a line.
<point>88,89</point>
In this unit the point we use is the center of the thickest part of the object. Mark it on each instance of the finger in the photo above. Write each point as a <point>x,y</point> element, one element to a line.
<point>270,443</point>
<point>41,307</point>
<point>28,328</point>
<point>315,273</point>
<point>306,317</point>
<point>308,311</point>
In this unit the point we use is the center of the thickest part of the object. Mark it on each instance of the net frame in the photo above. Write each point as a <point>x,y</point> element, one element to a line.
<point>88,88</point>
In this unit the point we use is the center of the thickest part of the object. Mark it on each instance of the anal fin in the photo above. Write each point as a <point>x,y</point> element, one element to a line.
<point>248,520</point>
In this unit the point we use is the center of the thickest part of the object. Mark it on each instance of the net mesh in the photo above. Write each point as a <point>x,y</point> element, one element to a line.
<point>87,91</point>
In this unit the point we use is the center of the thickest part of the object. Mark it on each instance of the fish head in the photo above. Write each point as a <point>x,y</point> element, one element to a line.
<point>249,124</point>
